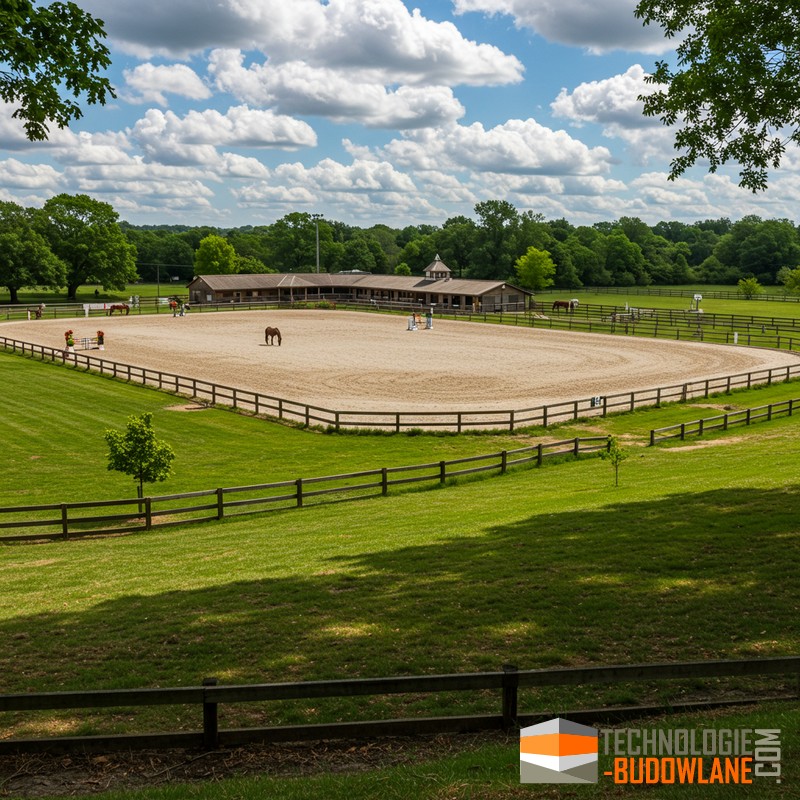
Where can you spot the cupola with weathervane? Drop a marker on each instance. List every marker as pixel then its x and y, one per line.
pixel 437 270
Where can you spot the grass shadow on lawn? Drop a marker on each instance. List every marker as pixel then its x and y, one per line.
pixel 692 576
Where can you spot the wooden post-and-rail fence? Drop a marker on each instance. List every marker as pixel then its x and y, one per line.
pixel 210 696
pixel 721 422
pixel 309 415
pixel 93 518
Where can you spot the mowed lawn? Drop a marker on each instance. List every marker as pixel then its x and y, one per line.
pixel 695 555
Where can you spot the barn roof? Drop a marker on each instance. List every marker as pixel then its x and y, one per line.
pixel 402 283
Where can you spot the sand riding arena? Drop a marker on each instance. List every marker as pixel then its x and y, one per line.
pixel 372 362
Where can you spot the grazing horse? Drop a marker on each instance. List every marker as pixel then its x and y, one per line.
pixel 119 307
pixel 270 334
pixel 567 305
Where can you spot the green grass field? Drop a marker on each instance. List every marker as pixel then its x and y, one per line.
pixel 788 307
pixel 695 555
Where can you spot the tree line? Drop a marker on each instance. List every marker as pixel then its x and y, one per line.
pixel 74 239
pixel 626 252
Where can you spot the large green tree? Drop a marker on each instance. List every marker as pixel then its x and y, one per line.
pixel 25 257
pixel 215 256
pixel 625 261
pixel 455 243
pixel 535 270
pixel 293 243
pixel 496 240
pixel 735 90
pixel 49 57
pixel 85 234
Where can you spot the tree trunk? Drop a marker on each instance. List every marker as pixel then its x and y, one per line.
pixel 12 290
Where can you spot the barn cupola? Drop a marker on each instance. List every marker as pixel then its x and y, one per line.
pixel 437 270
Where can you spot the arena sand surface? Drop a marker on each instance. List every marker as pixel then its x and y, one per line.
pixel 371 362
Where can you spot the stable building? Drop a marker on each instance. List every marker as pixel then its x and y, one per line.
pixel 436 287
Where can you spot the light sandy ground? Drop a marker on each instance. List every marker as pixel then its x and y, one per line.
pixel 360 362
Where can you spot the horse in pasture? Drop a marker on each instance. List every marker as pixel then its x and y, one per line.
pixel 270 334
pixel 567 305
pixel 121 307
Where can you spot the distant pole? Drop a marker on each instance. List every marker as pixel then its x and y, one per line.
pixel 316 225
pixel 158 283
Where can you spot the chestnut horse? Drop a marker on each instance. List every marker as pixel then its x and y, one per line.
pixel 121 307
pixel 567 305
pixel 270 334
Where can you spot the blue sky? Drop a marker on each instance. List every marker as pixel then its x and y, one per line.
pixel 237 112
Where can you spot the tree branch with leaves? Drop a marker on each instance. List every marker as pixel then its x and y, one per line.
pixel 48 56
pixel 736 88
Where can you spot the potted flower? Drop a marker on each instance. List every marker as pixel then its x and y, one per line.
pixel 69 339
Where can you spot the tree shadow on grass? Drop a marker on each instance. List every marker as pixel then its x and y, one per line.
pixel 693 576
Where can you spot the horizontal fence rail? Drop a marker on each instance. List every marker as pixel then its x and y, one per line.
pixel 651 322
pixel 507 682
pixel 76 520
pixel 721 422
pixel 292 411
pixel 714 294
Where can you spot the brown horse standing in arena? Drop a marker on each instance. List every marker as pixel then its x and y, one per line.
pixel 270 334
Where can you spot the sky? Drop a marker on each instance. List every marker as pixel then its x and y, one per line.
pixel 238 112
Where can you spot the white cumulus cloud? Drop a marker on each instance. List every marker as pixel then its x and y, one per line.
pixel 599 27
pixel 148 83
pixel 515 147
pixel 194 138
pixel 297 88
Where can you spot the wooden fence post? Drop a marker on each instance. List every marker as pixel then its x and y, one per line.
pixel 148 513
pixel 220 504
pixel 210 719
pixel 442 471
pixel 64 522
pixel 503 462
pixel 510 696
pixel 652 438
pixel 299 484
pixel 384 480
pixel 539 455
